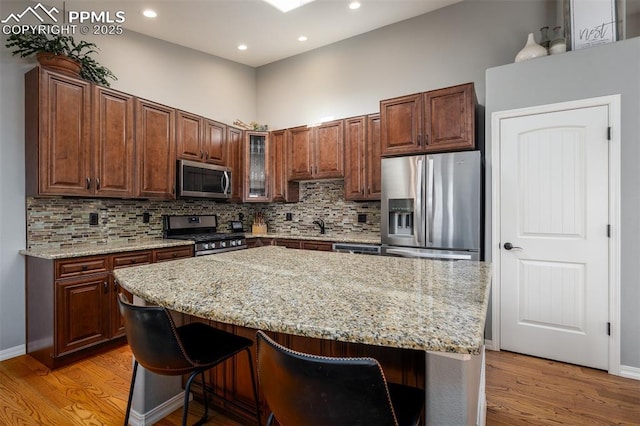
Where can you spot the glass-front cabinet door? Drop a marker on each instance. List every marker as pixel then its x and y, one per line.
pixel 256 187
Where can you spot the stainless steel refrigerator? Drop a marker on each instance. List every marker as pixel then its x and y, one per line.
pixel 431 206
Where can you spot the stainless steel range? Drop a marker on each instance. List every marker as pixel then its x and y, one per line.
pixel 203 230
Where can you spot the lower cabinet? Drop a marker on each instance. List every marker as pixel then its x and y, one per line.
pixel 72 310
pixel 291 243
pixel 232 379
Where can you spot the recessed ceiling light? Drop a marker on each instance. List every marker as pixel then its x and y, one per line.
pixel 242 47
pixel 150 13
pixel 354 5
pixel 302 38
pixel 286 5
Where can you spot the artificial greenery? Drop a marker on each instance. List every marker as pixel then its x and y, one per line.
pixel 28 43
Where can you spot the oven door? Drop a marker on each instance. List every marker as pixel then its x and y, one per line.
pixel 203 180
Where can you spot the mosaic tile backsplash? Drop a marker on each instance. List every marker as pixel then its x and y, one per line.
pixel 63 222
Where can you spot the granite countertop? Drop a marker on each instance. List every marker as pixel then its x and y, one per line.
pixel 388 301
pixel 80 250
pixel 339 238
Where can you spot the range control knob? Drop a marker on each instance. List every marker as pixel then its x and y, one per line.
pixel 223 244
pixel 233 243
pixel 205 246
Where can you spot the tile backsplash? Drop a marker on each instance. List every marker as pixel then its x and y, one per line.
pixel 61 222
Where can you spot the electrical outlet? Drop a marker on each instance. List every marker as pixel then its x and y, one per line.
pixel 93 218
pixel 362 218
pixel 146 216
pixel 288 216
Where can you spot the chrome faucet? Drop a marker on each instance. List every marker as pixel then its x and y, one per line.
pixel 320 224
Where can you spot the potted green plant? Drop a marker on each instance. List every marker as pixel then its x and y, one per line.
pixel 61 52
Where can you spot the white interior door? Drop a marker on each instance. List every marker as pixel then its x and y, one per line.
pixel 554 204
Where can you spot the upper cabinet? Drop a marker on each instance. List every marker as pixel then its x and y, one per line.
pixel 257 167
pixel 283 190
pixel 68 155
pixel 316 152
pixel 155 139
pixel 436 121
pixel 200 139
pixel 235 143
pixel 113 143
pixel 362 158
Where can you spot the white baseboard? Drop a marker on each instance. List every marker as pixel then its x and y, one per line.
pixel 490 345
pixel 157 413
pixel 630 372
pixel 13 352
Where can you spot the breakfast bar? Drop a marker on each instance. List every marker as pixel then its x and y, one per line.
pixel 435 307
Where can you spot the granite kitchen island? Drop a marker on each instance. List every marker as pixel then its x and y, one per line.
pixel 433 307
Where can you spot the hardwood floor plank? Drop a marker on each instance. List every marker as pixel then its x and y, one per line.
pixel 521 390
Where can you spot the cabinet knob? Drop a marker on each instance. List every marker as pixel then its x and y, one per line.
pixel 85 267
pixel 88 183
pixel 97 183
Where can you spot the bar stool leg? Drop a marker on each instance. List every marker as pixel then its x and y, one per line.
pixel 254 387
pixel 133 381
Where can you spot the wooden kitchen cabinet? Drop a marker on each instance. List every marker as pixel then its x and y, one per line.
pixel 283 190
pixel 72 309
pixel 172 253
pixel 440 120
pixel 57 134
pixel 235 157
pixel 449 118
pixel 317 245
pixel 362 180
pixel 79 137
pixel 316 152
pixel 200 139
pixel 401 125
pixel 113 144
pixel 257 167
pixel 82 315
pixel 189 136
pixel 155 139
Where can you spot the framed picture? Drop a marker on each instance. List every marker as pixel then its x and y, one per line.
pixel 591 23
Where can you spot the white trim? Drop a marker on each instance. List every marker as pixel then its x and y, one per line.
pixel 157 413
pixel 13 352
pixel 491 345
pixel 630 372
pixel 613 104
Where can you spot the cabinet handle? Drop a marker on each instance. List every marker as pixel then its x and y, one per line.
pixel 419 139
pixel 88 183
pixel 173 189
pixel 201 154
pixel 106 287
pixel 85 267
pixel 175 255
pixel 206 155
pixel 426 139
pixel 97 183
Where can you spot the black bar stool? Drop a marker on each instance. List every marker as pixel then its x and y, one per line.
pixel 162 348
pixel 310 390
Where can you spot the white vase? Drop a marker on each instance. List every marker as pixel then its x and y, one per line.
pixel 531 50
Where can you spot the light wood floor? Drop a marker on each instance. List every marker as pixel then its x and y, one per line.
pixel 520 391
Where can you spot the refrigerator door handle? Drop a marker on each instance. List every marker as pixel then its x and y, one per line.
pixel 430 200
pixel 419 207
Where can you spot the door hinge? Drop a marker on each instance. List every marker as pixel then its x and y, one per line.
pixel 608 329
pixel 609 133
pixel 608 231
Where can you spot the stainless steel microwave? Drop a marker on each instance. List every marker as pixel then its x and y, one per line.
pixel 203 180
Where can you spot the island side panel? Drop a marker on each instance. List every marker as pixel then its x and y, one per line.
pixel 455 389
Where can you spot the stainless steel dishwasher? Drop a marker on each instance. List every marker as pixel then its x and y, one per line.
pixel 373 249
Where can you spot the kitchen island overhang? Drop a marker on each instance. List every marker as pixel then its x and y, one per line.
pixel 434 306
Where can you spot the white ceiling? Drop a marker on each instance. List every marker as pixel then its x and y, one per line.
pixel 217 27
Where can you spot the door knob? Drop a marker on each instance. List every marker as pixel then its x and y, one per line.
pixel 509 246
